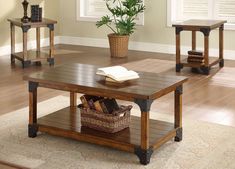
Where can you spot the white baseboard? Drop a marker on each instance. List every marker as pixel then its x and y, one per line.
pixel 103 43
pixel 6 50
pixel 139 46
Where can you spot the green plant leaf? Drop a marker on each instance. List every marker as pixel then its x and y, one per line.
pixel 104 20
pixel 123 15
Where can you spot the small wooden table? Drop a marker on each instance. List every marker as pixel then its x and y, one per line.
pixel 204 26
pixel 26 57
pixel 144 134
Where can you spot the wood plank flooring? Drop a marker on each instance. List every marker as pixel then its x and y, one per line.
pixel 13 90
pixel 199 91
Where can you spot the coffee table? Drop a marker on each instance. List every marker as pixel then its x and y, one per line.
pixel 144 134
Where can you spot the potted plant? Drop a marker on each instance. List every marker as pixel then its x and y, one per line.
pixel 121 23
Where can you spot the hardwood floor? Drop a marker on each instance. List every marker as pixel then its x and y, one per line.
pixel 14 92
pixel 209 99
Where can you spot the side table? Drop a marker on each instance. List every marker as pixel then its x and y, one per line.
pixel 204 26
pixel 26 57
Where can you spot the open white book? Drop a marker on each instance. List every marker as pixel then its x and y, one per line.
pixel 117 73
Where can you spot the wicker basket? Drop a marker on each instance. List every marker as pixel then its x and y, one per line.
pixel 118 45
pixel 110 123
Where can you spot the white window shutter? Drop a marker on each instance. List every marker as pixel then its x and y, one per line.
pixel 226 10
pixel 195 9
pixel 181 10
pixel 95 8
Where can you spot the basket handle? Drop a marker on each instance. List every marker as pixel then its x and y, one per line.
pixel 123 110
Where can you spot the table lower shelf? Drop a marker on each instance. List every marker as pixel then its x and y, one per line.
pixel 212 61
pixel 67 124
pixel 32 55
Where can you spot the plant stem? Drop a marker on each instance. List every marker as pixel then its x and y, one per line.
pixel 115 20
pixel 112 29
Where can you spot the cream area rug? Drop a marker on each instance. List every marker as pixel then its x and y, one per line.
pixel 205 146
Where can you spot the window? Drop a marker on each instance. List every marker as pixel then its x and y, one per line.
pixel 93 10
pixel 180 10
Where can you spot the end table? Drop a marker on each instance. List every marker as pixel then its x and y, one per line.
pixel 26 57
pixel 204 26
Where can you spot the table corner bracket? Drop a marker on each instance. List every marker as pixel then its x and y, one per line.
pixel 221 28
pixel 32 86
pixel 179 89
pixel 51 26
pixel 178 67
pixel 221 63
pixel 205 70
pixel 32 130
pixel 144 104
pixel 179 134
pixel 178 30
pixel 25 28
pixel 144 155
pixel 51 61
pixel 205 31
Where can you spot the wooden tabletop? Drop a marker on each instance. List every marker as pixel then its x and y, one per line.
pixel 18 22
pixel 82 78
pixel 200 23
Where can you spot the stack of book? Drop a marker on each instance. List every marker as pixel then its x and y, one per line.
pixel 36 13
pixel 195 56
pixel 117 74
pixel 100 104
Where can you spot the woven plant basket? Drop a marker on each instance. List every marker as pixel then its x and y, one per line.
pixel 118 45
pixel 110 123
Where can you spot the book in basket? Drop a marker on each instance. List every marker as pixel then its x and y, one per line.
pixel 110 123
pixel 117 73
